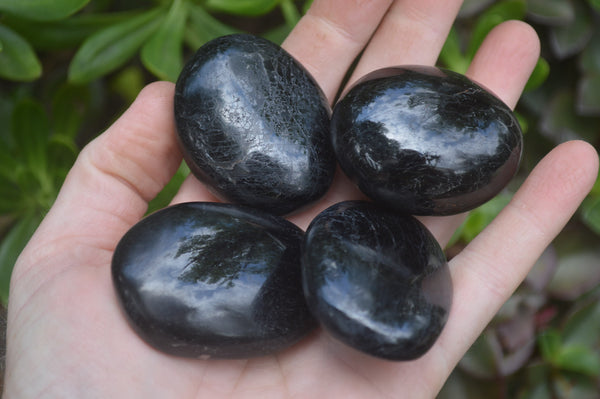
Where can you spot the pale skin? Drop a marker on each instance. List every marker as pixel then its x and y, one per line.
pixel 67 337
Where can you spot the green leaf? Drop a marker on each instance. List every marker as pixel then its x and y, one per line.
pixel 594 4
pixel 495 15
pixel 8 164
pixel 539 75
pixel 8 100
pixel 290 13
pixel 537 376
pixel 523 122
pixel 204 27
pixel 278 34
pixel 582 326
pixel 596 187
pixel 306 6
pixel 571 39
pixel 589 61
pixel 10 248
pixel 62 152
pixel 11 196
pixel 111 47
pixel 38 190
pixel 165 196
pixel 588 95
pixel 550 343
pixel 31 129
pixel 590 212
pixel 462 386
pixel 129 82
pixel 537 391
pixel 577 273
pixel 559 121
pixel 573 386
pixel 17 59
pixel 67 33
pixel 249 8
pixel 162 54
pixel 451 55
pixel 481 360
pixel 551 12
pixel 69 106
pixel 42 10
pixel 480 217
pixel 579 359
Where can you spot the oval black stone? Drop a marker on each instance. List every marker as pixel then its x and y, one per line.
pixel 254 125
pixel 376 280
pixel 213 280
pixel 425 141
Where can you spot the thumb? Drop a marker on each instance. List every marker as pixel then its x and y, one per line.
pixel 108 188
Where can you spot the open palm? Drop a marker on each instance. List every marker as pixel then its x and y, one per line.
pixel 67 336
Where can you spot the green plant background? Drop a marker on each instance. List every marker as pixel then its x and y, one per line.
pixel 69 68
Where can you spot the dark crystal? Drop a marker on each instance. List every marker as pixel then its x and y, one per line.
pixel 254 125
pixel 376 280
pixel 425 141
pixel 213 280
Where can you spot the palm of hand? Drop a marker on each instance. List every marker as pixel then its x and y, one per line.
pixel 67 336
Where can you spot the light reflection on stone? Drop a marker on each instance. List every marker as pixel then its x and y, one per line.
pixel 207 279
pixel 425 142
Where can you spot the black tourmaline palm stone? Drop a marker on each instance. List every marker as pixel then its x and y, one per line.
pixel 211 280
pixel 425 141
pixel 377 280
pixel 254 125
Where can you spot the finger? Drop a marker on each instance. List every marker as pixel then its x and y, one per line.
pixel 114 177
pixel 330 36
pixel 131 162
pixel 506 59
pixel 491 267
pixel 412 32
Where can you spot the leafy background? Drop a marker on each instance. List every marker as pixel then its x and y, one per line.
pixel 69 68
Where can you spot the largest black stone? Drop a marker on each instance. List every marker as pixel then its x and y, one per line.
pixel 213 280
pixel 254 125
pixel 424 140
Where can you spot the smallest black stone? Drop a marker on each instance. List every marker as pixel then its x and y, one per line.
pixel 376 280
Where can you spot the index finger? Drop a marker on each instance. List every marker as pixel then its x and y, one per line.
pixel 331 35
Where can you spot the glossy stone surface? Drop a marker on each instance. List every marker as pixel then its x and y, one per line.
pixel 213 280
pixel 254 125
pixel 376 280
pixel 425 141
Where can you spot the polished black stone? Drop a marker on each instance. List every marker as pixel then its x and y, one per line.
pixel 212 280
pixel 254 125
pixel 376 280
pixel 425 141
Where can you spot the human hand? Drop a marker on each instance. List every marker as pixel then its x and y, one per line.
pixel 67 336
